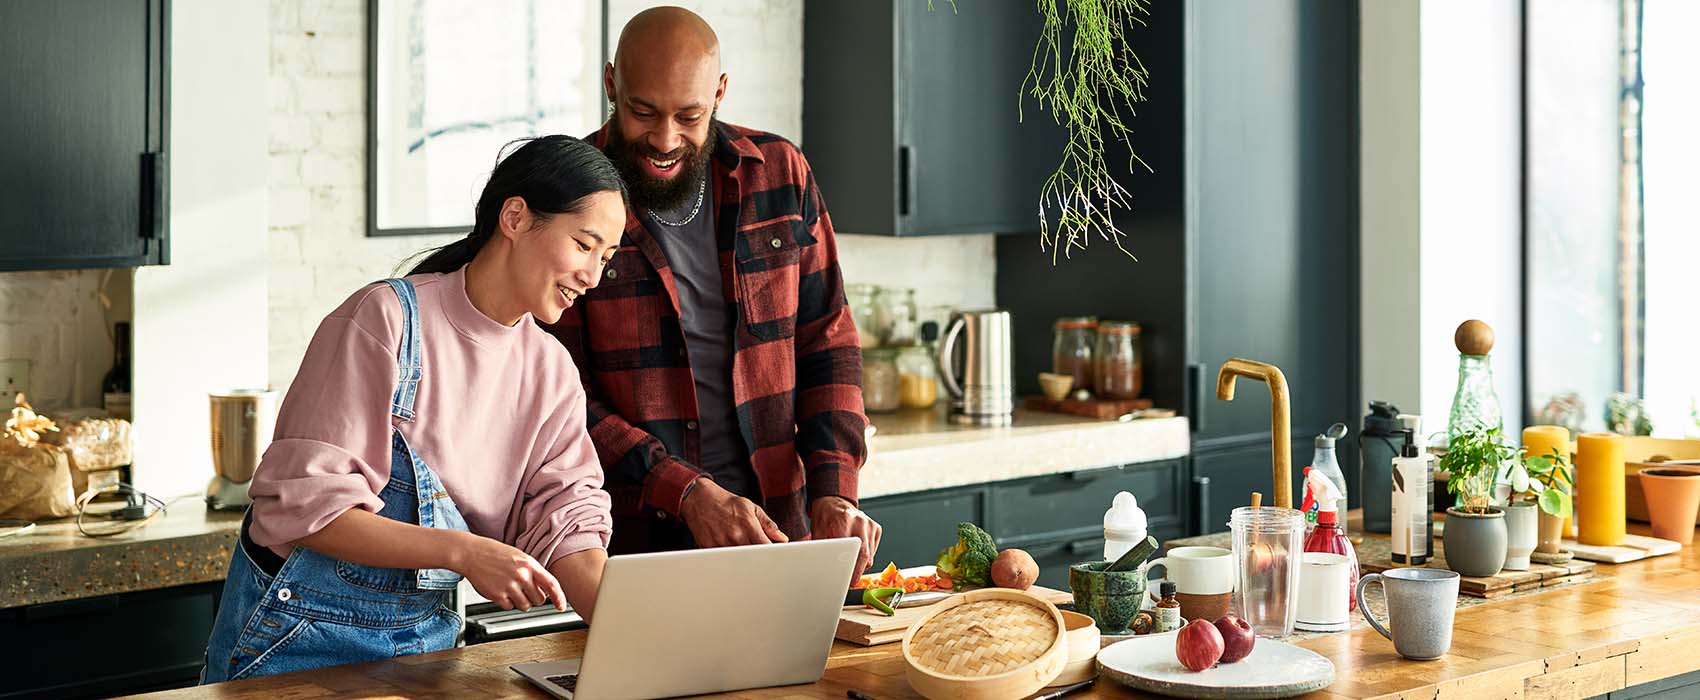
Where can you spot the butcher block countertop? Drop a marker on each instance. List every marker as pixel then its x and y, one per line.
pixel 1635 623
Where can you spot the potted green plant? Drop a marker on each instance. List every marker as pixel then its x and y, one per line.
pixel 1551 482
pixel 1536 490
pixel 1475 539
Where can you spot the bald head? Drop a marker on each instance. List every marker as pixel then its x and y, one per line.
pixel 670 34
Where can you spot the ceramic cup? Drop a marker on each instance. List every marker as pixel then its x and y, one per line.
pixel 1111 598
pixel 1324 592
pixel 1420 606
pixel 1198 570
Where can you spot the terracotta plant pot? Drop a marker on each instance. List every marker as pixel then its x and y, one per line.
pixel 1550 536
pixel 1673 496
pixel 1520 534
pixel 1475 542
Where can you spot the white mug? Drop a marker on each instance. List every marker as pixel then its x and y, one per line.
pixel 1198 570
pixel 1324 592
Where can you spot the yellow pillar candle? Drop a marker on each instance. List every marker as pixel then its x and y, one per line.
pixel 1542 440
pixel 1600 519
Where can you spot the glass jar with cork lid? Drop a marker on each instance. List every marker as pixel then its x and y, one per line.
pixel 1118 361
pixel 880 384
pixel 1072 349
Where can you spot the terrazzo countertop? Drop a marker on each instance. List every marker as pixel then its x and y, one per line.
pixel 54 562
pixel 910 451
pixel 922 450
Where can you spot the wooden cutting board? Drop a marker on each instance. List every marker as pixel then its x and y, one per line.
pixel 1375 555
pixel 1102 409
pixel 867 627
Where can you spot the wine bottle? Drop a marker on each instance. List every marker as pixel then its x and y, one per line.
pixel 115 387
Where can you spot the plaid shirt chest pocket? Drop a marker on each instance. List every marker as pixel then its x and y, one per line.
pixel 768 258
pixel 626 308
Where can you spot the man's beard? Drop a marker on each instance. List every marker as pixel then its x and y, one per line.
pixel 654 194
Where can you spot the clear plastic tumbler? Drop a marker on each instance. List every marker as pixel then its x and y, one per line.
pixel 1268 543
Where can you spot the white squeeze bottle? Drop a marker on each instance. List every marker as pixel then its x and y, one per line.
pixel 1124 526
pixel 1410 513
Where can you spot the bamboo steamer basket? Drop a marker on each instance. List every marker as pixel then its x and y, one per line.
pixel 988 644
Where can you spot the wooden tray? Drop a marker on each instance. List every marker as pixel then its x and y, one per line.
pixel 1375 556
pixel 867 627
pixel 1102 409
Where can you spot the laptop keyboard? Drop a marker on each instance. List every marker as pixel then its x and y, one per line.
pixel 565 680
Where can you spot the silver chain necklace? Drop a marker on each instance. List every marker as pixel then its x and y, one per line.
pixel 701 189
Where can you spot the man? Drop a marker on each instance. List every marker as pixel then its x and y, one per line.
pixel 721 363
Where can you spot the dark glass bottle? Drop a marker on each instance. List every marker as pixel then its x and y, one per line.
pixel 115 387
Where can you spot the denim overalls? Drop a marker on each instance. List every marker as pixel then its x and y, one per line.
pixel 318 611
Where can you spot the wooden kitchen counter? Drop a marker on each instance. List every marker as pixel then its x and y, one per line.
pixel 1639 622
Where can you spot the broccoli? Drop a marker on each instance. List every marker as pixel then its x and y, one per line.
pixel 969 561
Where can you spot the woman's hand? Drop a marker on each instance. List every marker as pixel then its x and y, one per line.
pixel 507 576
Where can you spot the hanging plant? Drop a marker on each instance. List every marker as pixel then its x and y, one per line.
pixel 1091 92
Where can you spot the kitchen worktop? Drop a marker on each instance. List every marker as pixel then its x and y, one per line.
pixel 922 450
pixel 1636 623
pixel 187 544
pixel 911 451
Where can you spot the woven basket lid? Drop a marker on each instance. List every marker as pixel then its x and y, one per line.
pixel 986 638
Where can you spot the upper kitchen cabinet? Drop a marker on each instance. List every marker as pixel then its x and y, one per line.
pixel 909 116
pixel 82 135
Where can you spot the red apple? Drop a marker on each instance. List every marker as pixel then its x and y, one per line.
pixel 1237 637
pixel 1198 645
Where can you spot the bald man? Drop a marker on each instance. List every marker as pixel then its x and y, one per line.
pixel 720 360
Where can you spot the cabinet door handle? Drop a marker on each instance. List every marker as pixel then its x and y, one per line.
pixel 1090 474
pixel 152 195
pixel 1195 395
pixel 1201 505
pixel 1079 547
pixel 908 190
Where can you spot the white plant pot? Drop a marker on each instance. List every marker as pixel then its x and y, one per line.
pixel 1521 534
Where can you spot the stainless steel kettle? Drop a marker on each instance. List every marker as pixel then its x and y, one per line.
pixel 982 384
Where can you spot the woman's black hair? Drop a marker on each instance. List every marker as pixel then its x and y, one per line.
pixel 553 174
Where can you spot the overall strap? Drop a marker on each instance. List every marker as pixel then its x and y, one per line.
pixel 409 359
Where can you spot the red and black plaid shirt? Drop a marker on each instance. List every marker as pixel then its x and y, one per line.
pixel 796 367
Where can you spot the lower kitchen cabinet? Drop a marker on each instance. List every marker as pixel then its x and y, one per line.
pixel 109 645
pixel 1058 518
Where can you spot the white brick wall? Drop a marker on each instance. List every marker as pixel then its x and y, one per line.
pixel 320 252
pixel 55 321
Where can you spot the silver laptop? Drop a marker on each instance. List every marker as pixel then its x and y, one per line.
pixel 707 621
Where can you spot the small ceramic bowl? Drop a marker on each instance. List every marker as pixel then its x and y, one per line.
pixel 1110 598
pixel 1055 386
pixel 1084 641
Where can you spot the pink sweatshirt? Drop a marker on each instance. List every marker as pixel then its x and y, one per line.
pixel 500 418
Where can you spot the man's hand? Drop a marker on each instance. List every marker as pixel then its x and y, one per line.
pixel 831 516
pixel 720 518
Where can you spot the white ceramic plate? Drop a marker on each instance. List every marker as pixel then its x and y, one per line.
pixel 1273 670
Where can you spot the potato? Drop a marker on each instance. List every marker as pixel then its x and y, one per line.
pixel 1014 569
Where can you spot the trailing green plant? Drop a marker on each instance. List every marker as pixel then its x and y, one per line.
pixel 1091 92
pixel 1472 461
pixel 1540 479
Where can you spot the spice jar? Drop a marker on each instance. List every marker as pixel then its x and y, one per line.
pixel 879 380
pixel 860 297
pixel 917 382
pixel 1071 350
pixel 1119 362
pixel 894 312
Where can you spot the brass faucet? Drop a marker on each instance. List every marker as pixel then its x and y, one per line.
pixel 1280 420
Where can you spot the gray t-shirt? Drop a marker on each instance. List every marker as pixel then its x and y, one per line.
pixel 693 251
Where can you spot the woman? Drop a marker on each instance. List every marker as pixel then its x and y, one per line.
pixel 434 432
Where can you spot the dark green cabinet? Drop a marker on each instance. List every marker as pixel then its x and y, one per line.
pixel 109 645
pixel 1246 234
pixel 82 134
pixel 910 118
pixel 1058 518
